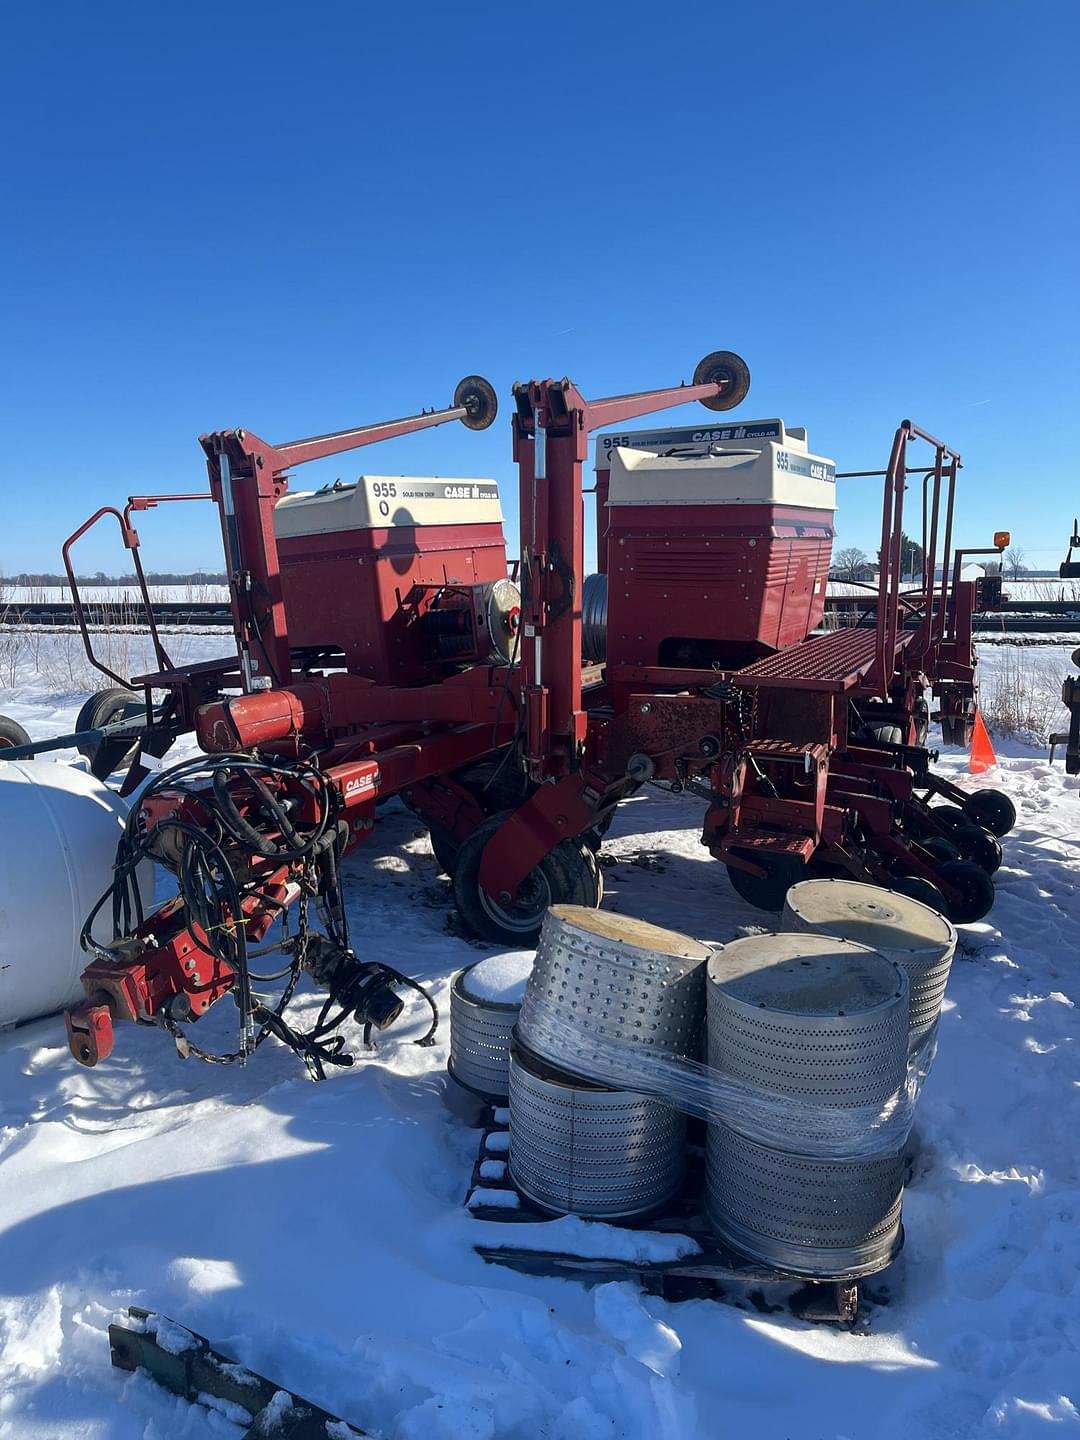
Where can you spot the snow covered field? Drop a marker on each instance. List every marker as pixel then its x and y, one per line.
pixel 195 592
pixel 317 1231
pixel 1045 588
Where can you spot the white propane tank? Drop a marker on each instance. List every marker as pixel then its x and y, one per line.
pixel 60 828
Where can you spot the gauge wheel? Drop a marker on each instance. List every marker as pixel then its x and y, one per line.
pixel 12 734
pixel 950 818
pixel 916 888
pixel 975 891
pixel 940 848
pixel 568 875
pixel 444 847
pixel 992 810
pixel 108 756
pixel 768 891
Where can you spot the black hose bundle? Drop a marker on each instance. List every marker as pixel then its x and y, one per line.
pixel 213 894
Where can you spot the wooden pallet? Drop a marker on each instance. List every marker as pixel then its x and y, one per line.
pixel 714 1271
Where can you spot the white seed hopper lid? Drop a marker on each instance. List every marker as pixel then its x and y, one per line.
pixel 499 979
pixel 628 933
pixel 882 919
pixel 798 974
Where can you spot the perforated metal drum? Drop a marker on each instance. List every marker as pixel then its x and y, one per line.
pixel 805 1215
pixel 599 973
pixel 821 1021
pixel 917 938
pixel 580 1149
pixel 484 1002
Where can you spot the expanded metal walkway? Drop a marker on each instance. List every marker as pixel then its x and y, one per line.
pixel 834 662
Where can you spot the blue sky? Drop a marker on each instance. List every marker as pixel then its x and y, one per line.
pixel 298 218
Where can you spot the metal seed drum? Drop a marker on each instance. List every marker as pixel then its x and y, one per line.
pixel 484 1004
pixel 801 1214
pixel 582 1149
pixel 917 938
pixel 815 1020
pixel 610 976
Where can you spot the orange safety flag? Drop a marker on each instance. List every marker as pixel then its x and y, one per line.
pixel 982 752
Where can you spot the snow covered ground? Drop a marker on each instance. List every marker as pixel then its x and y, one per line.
pixel 1045 588
pixel 197 591
pixel 317 1231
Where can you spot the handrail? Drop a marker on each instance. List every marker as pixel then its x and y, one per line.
pixel 931 632
pixel 130 537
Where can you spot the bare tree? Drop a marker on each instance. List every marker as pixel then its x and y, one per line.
pixel 1014 562
pixel 850 564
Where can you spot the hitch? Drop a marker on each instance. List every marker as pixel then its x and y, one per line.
pixel 90 1032
pixel 186 1363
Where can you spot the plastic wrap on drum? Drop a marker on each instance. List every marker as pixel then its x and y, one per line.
pixel 590 1019
pixel 822 1021
pixel 614 978
pixel 816 1019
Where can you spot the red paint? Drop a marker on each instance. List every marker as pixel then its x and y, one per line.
pixel 364 591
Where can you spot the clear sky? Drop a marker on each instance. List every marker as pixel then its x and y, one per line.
pixel 302 217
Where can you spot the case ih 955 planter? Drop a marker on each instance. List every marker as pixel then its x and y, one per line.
pixel 383 648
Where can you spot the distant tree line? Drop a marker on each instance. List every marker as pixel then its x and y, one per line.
pixel 153 577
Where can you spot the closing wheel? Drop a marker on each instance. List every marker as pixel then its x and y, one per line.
pixel 12 734
pixel 768 891
pixel 978 845
pixel 479 399
pixel 916 888
pixel 975 891
pixel 724 367
pixel 568 875
pixel 950 818
pixel 940 848
pixel 992 810
pixel 107 756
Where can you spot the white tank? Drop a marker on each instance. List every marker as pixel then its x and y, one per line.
pixel 59 829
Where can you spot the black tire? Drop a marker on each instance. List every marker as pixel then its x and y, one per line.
pixel 444 847
pixel 497 786
pixel 107 756
pixel 949 819
pixel 921 716
pixel 12 734
pixel 884 734
pixel 976 891
pixel 916 888
pixel 568 875
pixel 768 891
pixel 992 810
pixel 496 783
pixel 980 846
pixel 941 848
